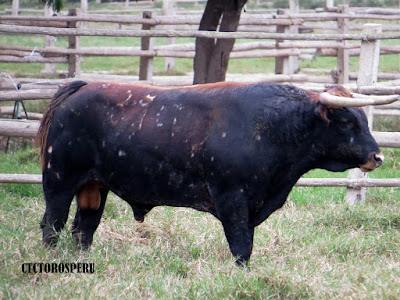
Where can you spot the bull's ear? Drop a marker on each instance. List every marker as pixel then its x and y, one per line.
pixel 322 112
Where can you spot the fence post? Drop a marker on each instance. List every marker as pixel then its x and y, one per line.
pixel 49 68
pixel 330 3
pixel 85 6
pixel 74 61
pixel 367 76
pixel 294 6
pixel 281 63
pixel 343 54
pixel 15 8
pixel 146 63
pixel 169 10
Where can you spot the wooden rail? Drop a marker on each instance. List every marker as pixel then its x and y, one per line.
pixel 29 128
pixel 302 182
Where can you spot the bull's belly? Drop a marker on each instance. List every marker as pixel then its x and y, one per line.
pixel 172 188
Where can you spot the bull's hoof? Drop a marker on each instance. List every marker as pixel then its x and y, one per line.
pixel 140 218
pixel 242 262
pixel 83 241
pixel 47 243
pixel 49 238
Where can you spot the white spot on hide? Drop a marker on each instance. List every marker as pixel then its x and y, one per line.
pixel 121 153
pixel 223 135
pixel 151 98
pixel 50 149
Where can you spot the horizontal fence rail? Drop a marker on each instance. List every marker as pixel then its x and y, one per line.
pixel 302 182
pixel 29 128
pixel 192 34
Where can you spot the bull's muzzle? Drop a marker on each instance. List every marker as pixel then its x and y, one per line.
pixel 375 161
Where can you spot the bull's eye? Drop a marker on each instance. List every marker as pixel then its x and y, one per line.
pixel 346 123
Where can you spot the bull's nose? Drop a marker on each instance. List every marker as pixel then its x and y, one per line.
pixel 379 159
pixel 375 161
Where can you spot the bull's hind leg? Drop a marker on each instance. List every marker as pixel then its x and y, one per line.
pixel 58 201
pixel 91 200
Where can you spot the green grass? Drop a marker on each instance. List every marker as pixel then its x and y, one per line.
pixel 315 247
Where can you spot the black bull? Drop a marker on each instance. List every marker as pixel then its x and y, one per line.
pixel 233 150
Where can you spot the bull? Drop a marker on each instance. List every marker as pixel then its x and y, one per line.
pixel 231 149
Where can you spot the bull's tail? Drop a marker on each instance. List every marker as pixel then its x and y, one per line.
pixel 62 94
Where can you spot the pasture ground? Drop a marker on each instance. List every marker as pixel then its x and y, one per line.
pixel 315 247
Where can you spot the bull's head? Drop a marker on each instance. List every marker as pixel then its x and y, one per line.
pixel 348 142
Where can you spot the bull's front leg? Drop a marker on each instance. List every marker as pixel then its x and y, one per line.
pixel 233 213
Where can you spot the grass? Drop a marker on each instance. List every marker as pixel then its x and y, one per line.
pixel 314 247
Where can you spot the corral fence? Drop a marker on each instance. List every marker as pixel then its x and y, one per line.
pixel 286 43
pixel 276 28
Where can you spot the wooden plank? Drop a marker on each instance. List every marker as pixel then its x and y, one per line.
pixel 345 182
pixel 387 112
pixel 258 20
pixel 387 139
pixel 302 182
pixel 19 128
pixel 8 110
pixel 32 59
pixel 26 95
pixel 205 34
pixel 21 178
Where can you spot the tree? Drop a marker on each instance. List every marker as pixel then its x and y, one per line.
pixel 212 55
pixel 56 5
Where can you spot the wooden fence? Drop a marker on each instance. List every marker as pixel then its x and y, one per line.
pixel 306 45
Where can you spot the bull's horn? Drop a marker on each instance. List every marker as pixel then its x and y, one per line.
pixel 358 100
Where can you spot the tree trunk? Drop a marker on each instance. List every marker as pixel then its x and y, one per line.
pixel 212 56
